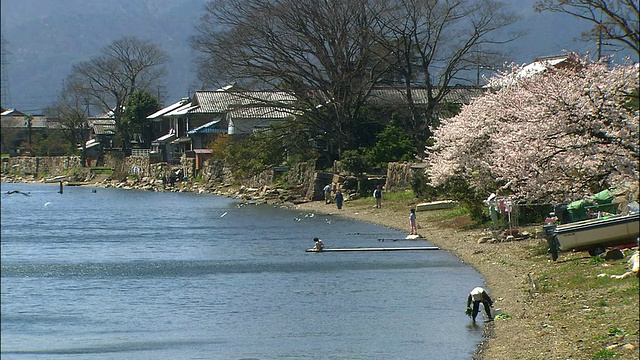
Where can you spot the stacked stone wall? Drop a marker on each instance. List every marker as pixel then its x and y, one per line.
pixel 398 176
pixel 302 178
pixel 40 165
pixel 214 171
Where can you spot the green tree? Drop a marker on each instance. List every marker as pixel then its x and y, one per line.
pixel 53 144
pixel 393 144
pixel 357 161
pixel 134 119
pixel 220 146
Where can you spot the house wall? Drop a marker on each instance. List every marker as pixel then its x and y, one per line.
pixel 246 126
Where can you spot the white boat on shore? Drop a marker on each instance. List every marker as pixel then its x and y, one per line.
pixel 595 234
pixel 55 179
pixel 436 205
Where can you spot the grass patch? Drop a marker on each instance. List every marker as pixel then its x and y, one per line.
pixel 544 284
pixel 539 249
pixel 105 170
pixel 604 354
pixel 630 291
pixel 404 196
pixel 615 331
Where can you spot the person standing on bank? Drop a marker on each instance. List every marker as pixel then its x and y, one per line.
pixel 412 223
pixel 327 194
pixel 377 194
pixel 339 199
pixel 479 295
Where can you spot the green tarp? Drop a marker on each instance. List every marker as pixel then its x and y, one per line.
pixel 601 201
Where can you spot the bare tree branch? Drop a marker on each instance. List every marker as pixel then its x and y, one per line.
pixel 320 51
pixel 616 20
pixel 124 66
pixel 436 41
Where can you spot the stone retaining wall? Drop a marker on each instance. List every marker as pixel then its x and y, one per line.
pixel 398 176
pixel 43 165
pixel 302 178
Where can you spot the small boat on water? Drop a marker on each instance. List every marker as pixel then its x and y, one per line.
pixel 593 234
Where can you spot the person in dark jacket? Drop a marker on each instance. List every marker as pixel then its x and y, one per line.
pixel 339 199
pixel 377 194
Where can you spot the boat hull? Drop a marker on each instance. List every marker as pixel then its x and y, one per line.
pixel 589 234
pixel 436 205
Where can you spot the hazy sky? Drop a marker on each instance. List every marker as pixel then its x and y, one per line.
pixel 47 37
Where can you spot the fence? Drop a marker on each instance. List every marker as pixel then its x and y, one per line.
pixel 140 152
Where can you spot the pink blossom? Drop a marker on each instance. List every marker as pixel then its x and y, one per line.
pixel 555 136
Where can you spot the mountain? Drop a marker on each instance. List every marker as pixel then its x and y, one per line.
pixel 45 38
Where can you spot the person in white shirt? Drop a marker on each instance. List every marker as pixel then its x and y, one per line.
pixel 479 295
pixel 319 245
pixel 327 194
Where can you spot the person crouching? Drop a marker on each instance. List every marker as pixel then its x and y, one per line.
pixel 479 295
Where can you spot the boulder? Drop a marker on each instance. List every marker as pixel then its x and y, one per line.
pixel 614 254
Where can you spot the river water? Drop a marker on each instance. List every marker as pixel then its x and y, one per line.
pixel 122 274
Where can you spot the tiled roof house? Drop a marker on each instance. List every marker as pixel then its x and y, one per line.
pixel 18 128
pixel 190 124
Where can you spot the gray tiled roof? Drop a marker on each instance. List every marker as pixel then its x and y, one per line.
pixel 20 121
pixel 104 129
pixel 259 112
pixel 397 96
pixel 168 109
pixel 222 101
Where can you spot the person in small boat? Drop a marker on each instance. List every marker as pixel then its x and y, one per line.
pixel 319 244
pixel 479 295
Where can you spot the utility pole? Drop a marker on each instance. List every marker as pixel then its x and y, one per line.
pixel 5 98
pixel 29 118
pixel 600 37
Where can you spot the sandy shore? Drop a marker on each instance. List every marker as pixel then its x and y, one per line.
pixel 534 330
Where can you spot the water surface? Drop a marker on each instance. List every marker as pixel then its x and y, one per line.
pixel 143 275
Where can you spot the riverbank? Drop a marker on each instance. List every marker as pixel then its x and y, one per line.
pixel 554 310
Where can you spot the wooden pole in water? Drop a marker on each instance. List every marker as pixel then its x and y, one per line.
pixel 61 188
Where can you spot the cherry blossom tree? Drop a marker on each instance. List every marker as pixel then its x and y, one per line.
pixel 558 135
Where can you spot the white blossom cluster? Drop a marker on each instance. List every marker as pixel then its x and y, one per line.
pixel 555 136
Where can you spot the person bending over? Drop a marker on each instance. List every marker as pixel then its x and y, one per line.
pixel 479 295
